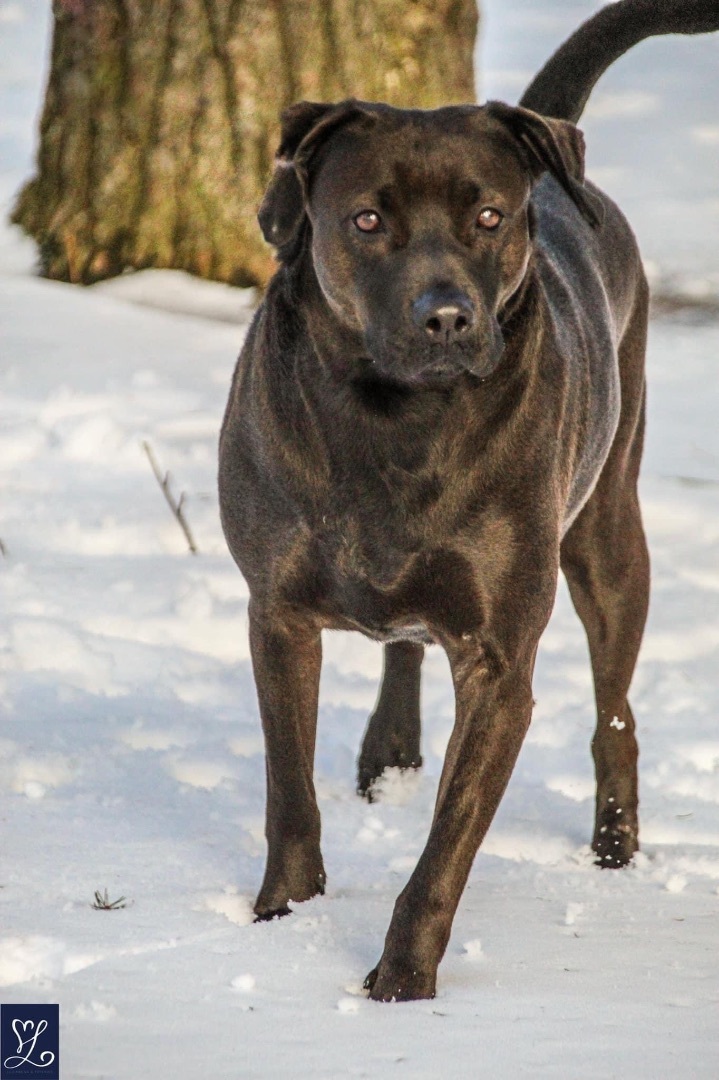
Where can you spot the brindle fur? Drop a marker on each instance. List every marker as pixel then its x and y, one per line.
pixel 424 486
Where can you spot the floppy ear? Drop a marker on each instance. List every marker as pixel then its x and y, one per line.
pixel 305 126
pixel 282 207
pixel 554 146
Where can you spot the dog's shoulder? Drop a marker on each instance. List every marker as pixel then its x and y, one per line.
pixel 601 266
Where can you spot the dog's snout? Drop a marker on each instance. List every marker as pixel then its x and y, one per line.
pixel 443 316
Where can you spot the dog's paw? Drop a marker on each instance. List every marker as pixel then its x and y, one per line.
pixel 366 780
pixel 267 916
pixel 299 879
pixel 266 911
pixel 400 982
pixel 615 845
pixel 369 775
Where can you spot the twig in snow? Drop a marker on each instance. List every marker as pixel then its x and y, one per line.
pixel 104 903
pixel 175 506
pixel 3 549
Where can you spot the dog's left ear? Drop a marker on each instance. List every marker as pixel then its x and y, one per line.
pixel 554 146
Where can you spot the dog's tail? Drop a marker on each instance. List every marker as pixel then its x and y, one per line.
pixel 562 87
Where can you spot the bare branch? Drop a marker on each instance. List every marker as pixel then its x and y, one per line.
pixel 175 505
pixel 104 903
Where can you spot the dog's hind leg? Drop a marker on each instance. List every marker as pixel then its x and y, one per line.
pixel 393 732
pixel 604 558
pixel 286 656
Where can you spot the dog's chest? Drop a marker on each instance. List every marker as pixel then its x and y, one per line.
pixel 388 584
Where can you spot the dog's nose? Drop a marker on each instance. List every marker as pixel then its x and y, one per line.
pixel 444 316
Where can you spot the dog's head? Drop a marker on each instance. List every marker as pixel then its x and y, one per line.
pixel 418 223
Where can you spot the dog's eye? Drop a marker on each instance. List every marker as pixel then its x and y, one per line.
pixel 489 218
pixel 368 221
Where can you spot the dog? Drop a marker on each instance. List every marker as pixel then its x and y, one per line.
pixel 440 402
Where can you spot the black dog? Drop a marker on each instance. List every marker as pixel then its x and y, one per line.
pixel 440 402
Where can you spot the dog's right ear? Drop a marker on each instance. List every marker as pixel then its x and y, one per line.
pixel 305 126
pixel 283 206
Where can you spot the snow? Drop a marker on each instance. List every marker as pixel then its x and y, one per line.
pixel 131 751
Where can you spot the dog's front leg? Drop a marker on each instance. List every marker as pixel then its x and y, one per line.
pixel 493 709
pixel 286 657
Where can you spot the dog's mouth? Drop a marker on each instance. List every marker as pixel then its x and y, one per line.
pixel 452 363
pixel 440 373
pixel 435 365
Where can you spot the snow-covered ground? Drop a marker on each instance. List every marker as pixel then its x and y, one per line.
pixel 131 756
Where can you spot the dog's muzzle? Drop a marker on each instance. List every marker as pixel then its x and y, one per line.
pixel 444 335
pixel 454 338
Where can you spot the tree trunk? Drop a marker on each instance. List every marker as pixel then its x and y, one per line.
pixel 161 118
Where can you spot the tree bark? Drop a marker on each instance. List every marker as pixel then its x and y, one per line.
pixel 161 118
